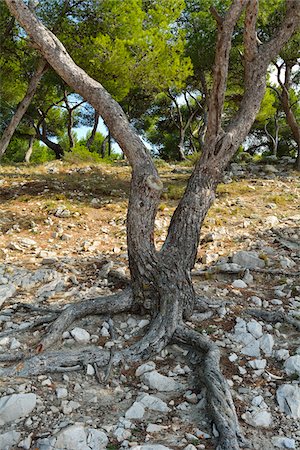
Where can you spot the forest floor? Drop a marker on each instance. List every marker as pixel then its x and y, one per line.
pixel 63 239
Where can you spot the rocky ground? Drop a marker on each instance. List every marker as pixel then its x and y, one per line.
pixel 63 239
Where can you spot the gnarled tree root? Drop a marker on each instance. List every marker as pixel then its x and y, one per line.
pixel 219 401
pixel 111 304
pixel 162 330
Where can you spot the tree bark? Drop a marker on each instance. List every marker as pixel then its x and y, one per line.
pixel 290 116
pixel 29 150
pixel 91 139
pixel 23 105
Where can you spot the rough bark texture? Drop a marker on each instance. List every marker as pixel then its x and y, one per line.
pixel 23 105
pixel 29 150
pixel 161 280
pixel 91 139
pixel 290 116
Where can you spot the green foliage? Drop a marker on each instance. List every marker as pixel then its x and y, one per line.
pixel 81 154
pixel 41 154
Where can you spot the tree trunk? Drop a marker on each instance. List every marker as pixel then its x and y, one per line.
pixel 29 150
pixel 181 154
pixel 103 146
pixel 23 106
pixel 58 150
pixel 290 116
pixel 91 139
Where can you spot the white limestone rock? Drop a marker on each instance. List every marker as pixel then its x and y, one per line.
pixel 159 382
pixel 288 398
pixel 283 442
pixel 14 406
pixel 258 364
pixel 9 440
pixel 6 292
pixel 248 260
pixel 258 418
pixel 154 403
pixel 61 392
pixel 255 328
pixel 80 335
pixel 150 447
pixel 266 343
pixel 239 284
pixel 147 367
pixel 292 365
pixel 76 437
pixel 136 411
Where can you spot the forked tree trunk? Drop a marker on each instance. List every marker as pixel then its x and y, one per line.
pixel 161 281
pixel 23 106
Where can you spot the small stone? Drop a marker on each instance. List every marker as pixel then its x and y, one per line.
pixel 288 398
pixel 9 440
pixel 96 439
pixel 239 284
pixel 258 364
pixel 255 328
pixel 147 367
pixel 80 335
pixel 258 418
pixel 136 411
pixel 153 428
pixel 248 260
pixel 266 343
pixel 154 403
pixel 160 382
pixel 283 442
pixel 90 370
pixel 61 392
pixel 6 292
pixel 292 365
pixel 281 354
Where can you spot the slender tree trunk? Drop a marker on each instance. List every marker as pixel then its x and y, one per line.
pixel 23 106
pixel 91 139
pixel 290 116
pixel 109 143
pixel 29 150
pixel 103 146
pixel 181 153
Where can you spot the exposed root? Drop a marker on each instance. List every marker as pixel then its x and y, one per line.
pixel 273 317
pixel 162 330
pixel 58 361
pixel 219 401
pixel 30 326
pixel 111 304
